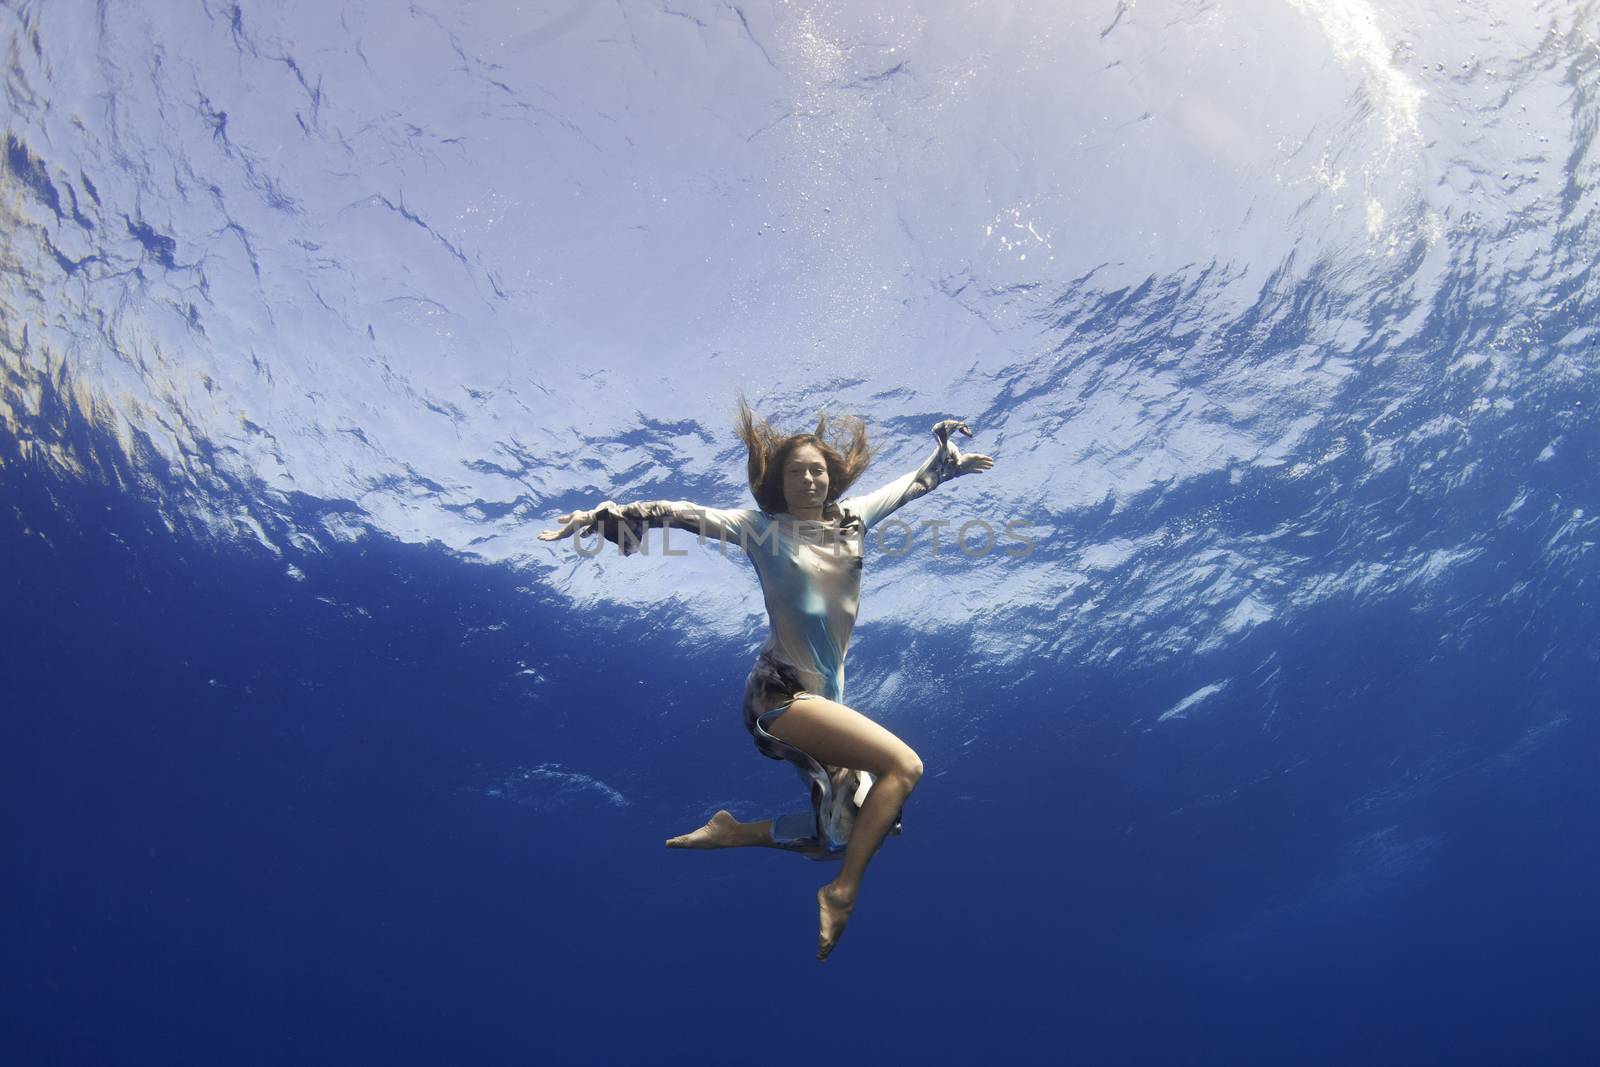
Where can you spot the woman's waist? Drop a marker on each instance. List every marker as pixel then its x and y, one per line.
pixel 813 674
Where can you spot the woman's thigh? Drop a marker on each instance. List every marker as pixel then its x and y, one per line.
pixel 839 736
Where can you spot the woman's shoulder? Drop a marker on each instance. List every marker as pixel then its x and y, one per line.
pixel 847 510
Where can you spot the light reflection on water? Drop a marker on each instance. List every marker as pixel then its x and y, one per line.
pixel 1244 288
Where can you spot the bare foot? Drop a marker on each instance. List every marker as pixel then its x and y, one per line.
pixel 723 831
pixel 833 905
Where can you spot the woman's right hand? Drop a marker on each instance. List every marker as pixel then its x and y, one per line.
pixel 574 522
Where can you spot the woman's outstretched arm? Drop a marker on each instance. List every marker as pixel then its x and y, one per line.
pixel 625 524
pixel 945 462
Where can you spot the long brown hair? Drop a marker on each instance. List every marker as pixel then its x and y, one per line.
pixel 847 454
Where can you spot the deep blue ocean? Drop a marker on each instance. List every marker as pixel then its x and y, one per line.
pixel 1278 318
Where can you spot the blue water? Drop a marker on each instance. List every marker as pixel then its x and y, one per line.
pixel 1276 317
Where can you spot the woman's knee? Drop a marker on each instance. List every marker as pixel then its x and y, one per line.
pixel 908 767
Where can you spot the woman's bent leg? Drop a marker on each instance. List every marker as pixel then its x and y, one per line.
pixel 839 736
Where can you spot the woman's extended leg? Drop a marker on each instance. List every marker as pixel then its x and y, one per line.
pixel 724 831
pixel 839 736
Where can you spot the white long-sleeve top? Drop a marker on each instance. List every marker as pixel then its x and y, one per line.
pixel 810 571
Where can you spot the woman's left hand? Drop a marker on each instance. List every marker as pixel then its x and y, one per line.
pixel 972 462
pixel 965 464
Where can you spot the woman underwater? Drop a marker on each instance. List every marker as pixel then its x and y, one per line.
pixel 805 540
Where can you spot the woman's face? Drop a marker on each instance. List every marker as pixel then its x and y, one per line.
pixel 805 479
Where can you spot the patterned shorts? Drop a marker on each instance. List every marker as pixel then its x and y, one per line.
pixel 837 793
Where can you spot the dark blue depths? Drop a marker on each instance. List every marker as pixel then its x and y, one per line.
pixel 244 823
